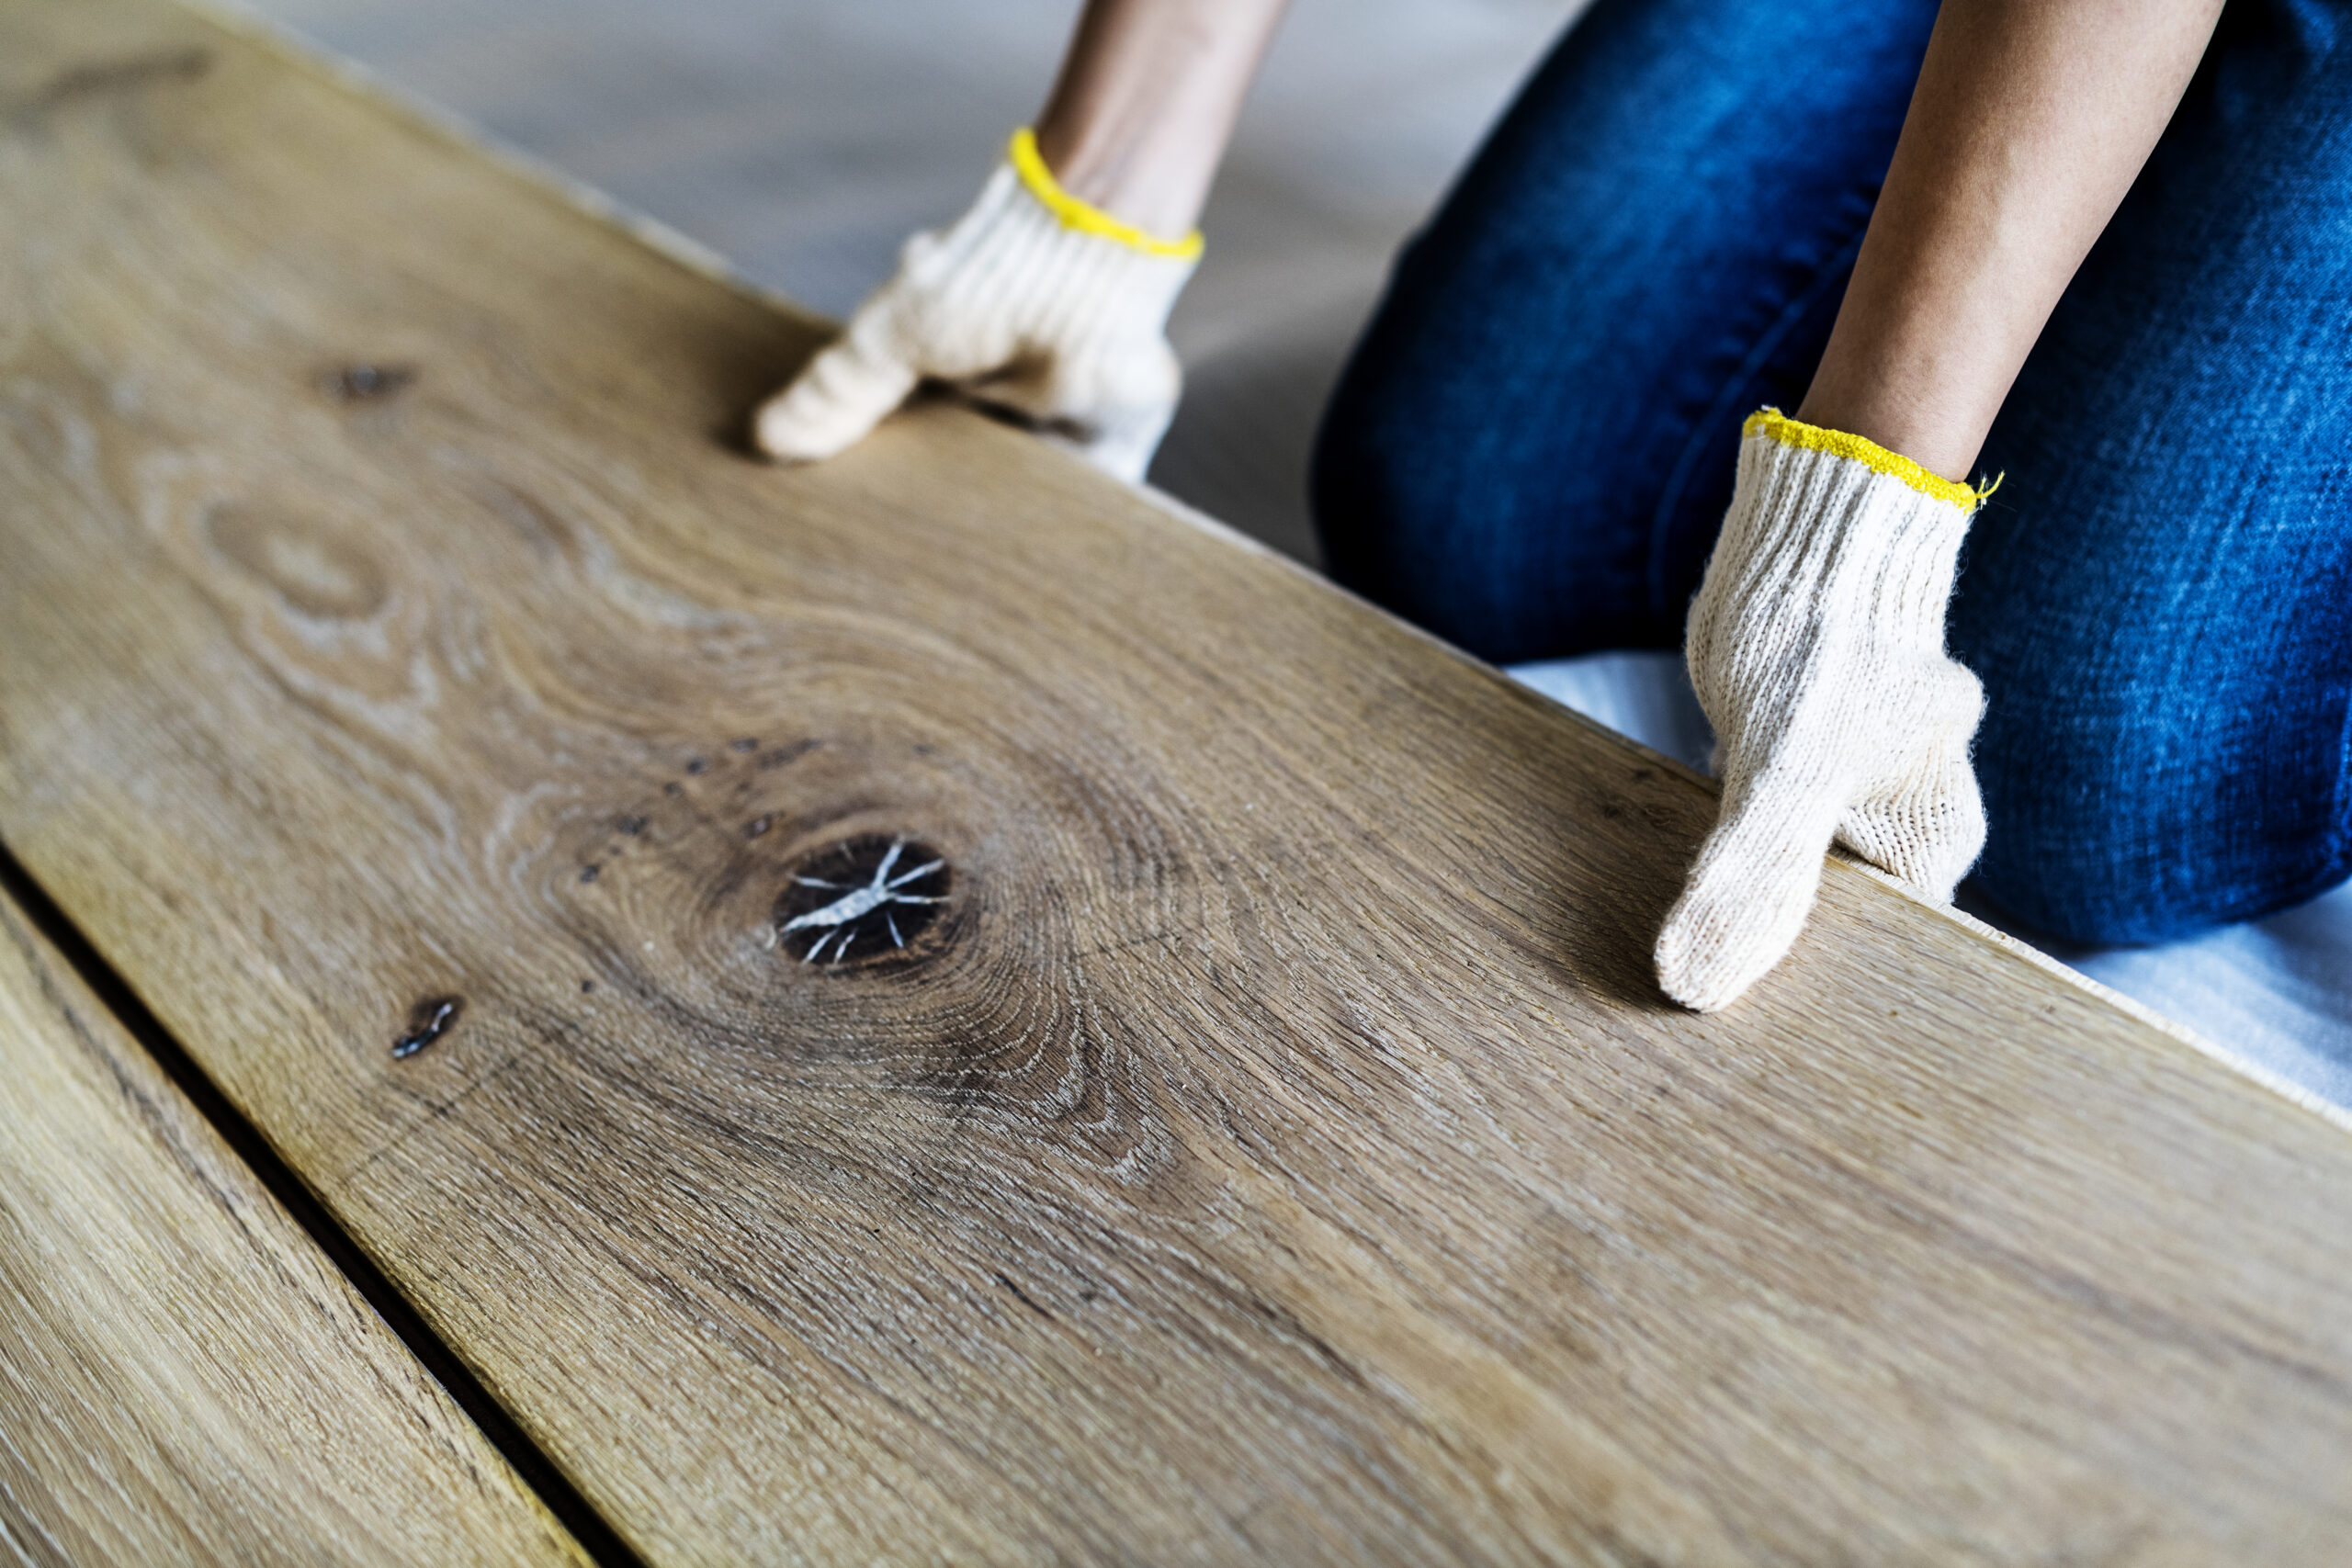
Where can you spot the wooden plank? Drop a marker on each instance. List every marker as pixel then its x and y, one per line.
pixel 184 1376
pixel 1272 1148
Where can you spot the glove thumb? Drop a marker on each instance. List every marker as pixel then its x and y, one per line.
pixel 844 393
pixel 1750 894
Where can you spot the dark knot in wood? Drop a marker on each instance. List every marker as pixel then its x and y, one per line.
pixel 365 383
pixel 863 898
pixel 427 1022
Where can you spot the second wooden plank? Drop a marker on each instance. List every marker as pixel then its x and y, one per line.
pixel 184 1376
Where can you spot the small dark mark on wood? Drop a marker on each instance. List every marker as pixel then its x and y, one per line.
pixel 427 1022
pixel 586 986
pixel 363 383
pixel 590 873
pixel 744 743
pixel 758 826
pixel 1127 944
pixel 923 749
pixel 697 764
pixel 980 403
pixel 1288 1322
pixel 672 787
pixel 782 754
pixel 632 826
pixel 121 75
pixel 1024 1297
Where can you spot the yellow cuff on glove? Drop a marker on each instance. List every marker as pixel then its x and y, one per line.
pixel 1084 216
pixel 1774 424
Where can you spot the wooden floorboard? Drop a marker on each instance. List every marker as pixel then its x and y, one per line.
pixel 1271 1146
pixel 184 1376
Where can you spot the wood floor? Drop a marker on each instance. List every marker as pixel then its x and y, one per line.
pixel 1247 1131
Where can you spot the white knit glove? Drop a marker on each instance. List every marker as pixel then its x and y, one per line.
pixel 1033 301
pixel 1816 644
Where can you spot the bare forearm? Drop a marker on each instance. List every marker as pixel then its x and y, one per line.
pixel 1146 99
pixel 2030 120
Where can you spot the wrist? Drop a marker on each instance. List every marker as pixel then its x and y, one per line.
pixel 1145 100
pixel 1772 425
pixel 1076 211
pixel 1908 399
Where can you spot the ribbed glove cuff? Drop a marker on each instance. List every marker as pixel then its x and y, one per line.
pixel 1827 534
pixel 1083 216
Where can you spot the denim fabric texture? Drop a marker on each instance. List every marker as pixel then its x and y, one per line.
pixel 1532 446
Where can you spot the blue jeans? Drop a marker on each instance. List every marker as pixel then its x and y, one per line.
pixel 1532 446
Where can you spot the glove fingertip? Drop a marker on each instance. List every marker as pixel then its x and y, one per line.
pixel 833 403
pixel 1703 961
pixel 1736 920
pixel 777 432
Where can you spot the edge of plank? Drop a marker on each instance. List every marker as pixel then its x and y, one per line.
pixel 2328 1111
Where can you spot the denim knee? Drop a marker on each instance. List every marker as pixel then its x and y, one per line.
pixel 1414 517
pixel 1382 496
pixel 2131 822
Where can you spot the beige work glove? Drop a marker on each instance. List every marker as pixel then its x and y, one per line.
pixel 1034 301
pixel 1816 644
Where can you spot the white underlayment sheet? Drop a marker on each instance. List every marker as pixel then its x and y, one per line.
pixel 803 139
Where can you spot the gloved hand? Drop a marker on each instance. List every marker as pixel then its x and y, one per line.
pixel 1816 644
pixel 1033 301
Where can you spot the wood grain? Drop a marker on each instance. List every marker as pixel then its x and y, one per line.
pixel 184 1376
pixel 1272 1149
